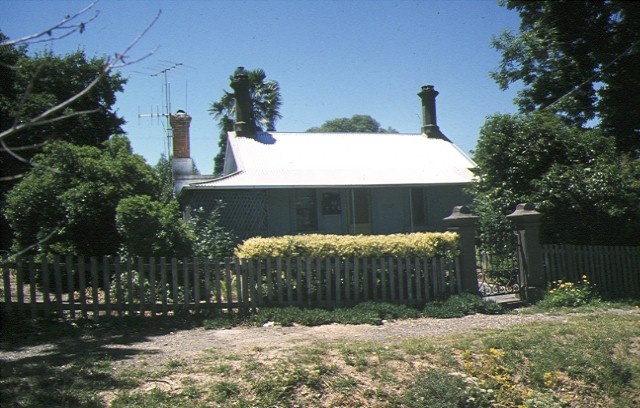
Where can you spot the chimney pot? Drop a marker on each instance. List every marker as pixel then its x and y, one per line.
pixel 429 122
pixel 245 122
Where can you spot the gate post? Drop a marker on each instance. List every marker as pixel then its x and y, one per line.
pixel 464 223
pixel 527 221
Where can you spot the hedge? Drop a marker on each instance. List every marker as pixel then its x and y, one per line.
pixel 422 244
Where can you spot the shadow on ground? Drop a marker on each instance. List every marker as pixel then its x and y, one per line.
pixel 47 363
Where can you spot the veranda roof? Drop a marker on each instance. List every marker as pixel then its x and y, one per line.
pixel 296 160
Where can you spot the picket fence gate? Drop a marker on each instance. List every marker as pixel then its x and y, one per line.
pixel 613 270
pixel 90 287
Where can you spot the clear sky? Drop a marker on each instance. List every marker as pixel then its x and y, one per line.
pixel 331 58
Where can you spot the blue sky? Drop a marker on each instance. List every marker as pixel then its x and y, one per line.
pixel 331 58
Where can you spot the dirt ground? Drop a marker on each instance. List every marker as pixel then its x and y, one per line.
pixel 156 350
pixel 276 340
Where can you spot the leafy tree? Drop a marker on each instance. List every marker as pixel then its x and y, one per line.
pixel 30 86
pixel 151 228
pixel 355 124
pixel 265 95
pixel 209 238
pixel 45 99
pixel 579 59
pixel 165 174
pixel 72 192
pixel 40 81
pixel 587 191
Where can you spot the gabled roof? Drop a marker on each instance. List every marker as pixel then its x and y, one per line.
pixel 280 160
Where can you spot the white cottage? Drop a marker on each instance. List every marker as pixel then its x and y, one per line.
pixel 277 183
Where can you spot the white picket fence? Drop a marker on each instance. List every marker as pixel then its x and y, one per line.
pixel 89 287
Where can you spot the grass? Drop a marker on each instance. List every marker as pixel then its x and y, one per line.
pixel 589 359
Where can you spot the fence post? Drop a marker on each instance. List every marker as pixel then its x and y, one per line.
pixel 527 222
pixel 464 223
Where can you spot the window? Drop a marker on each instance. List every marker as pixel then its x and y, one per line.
pixel 418 206
pixel 306 211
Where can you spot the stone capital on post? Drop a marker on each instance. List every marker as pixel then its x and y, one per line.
pixel 461 217
pixel 525 214
pixel 464 223
pixel 527 221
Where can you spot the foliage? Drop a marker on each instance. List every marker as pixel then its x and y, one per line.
pixel 150 228
pixel 588 193
pixel 75 190
pixel 30 85
pixel 577 59
pixel 265 95
pixel 43 80
pixel 153 228
pixel 354 124
pixel 461 305
pixel 208 238
pixel 321 246
pixel 165 174
pixel 569 294
pixel 374 313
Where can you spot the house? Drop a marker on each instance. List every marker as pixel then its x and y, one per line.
pixel 277 183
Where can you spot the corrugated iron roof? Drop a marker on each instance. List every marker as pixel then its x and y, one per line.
pixel 276 160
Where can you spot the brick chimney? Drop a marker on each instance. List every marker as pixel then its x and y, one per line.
pixel 245 122
pixel 181 162
pixel 429 123
pixel 180 124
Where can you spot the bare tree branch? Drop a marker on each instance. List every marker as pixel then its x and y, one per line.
pixel 30 247
pixel 70 29
pixel 16 156
pixel 110 63
pixel 28 147
pixel 14 177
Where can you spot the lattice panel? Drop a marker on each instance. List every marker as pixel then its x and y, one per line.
pixel 244 212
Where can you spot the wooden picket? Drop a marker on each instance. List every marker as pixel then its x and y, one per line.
pixel 615 271
pixel 89 287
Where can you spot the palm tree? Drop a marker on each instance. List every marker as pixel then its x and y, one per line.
pixel 265 95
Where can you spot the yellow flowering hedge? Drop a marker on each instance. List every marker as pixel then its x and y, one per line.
pixel 422 244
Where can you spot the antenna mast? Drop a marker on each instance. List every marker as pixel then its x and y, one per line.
pixel 166 108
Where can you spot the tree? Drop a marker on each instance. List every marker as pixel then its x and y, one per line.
pixel 73 192
pixel 355 124
pixel 587 191
pixel 579 59
pixel 152 228
pixel 265 95
pixel 30 101
pixel 165 174
pixel 149 227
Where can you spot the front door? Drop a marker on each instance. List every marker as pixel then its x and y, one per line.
pixel 360 211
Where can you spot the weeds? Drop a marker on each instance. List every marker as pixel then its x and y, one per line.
pixel 587 360
pixel 569 294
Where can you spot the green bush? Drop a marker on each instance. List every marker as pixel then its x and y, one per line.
pixel 322 246
pixel 569 294
pixel 461 305
pixel 363 313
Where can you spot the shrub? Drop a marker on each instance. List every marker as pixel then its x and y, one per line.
pixel 318 245
pixel 461 305
pixel 569 294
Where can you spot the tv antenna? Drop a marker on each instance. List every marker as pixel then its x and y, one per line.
pixel 166 107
